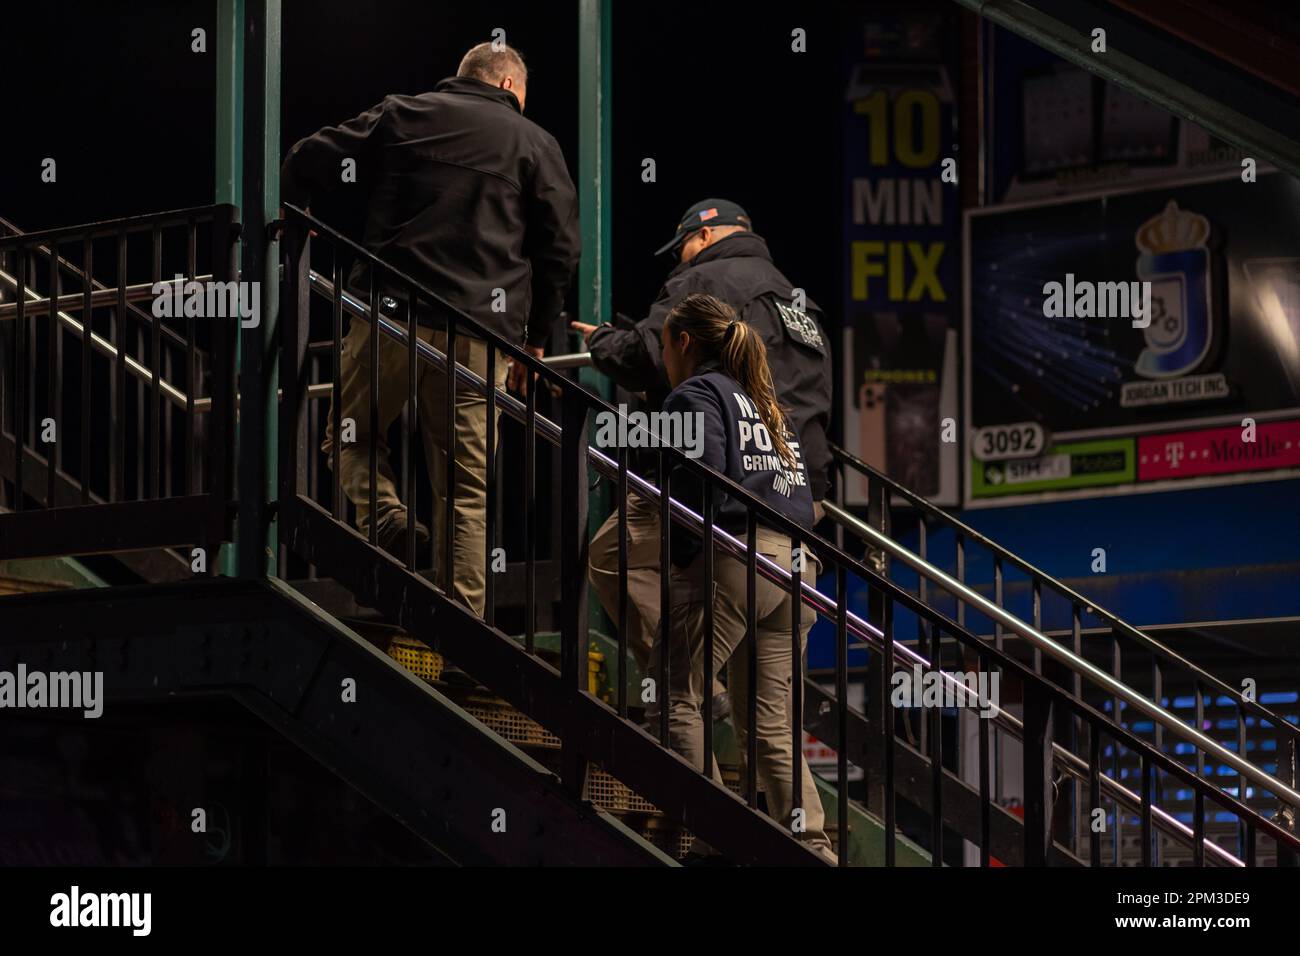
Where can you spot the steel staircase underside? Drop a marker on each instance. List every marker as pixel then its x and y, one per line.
pixel 400 743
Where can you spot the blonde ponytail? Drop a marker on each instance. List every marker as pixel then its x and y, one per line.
pixel 712 323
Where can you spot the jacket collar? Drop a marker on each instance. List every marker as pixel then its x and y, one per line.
pixel 469 86
pixel 713 364
pixel 738 245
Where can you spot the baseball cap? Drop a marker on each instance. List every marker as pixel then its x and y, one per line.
pixel 710 212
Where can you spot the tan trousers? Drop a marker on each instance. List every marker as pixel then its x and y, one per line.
pixel 642 574
pixel 470 505
pixel 772 644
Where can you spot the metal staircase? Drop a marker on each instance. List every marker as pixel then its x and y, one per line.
pixel 164 480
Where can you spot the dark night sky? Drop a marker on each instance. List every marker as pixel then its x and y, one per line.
pixel 111 90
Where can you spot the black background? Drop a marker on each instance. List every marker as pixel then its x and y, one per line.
pixel 711 90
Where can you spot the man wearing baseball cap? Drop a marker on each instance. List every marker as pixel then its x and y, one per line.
pixel 718 253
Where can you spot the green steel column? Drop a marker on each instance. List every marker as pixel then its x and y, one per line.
pixel 594 161
pixel 257 126
pixel 230 99
pixel 230 140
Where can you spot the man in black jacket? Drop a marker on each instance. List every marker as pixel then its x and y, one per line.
pixel 720 255
pixel 474 201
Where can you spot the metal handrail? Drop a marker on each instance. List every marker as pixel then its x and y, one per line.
pixel 810 595
pixel 1149 643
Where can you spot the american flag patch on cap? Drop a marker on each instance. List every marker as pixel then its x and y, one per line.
pixel 708 213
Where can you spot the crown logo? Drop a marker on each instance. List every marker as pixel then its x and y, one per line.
pixel 1173 229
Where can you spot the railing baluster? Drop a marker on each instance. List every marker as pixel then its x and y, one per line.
pixel 155 403
pixel 751 639
pixel 922 530
pixel 295 321
pixel 961 575
pixel 1157 690
pixel 572 572
pixel 1117 667
pixel 411 426
pixel 886 683
pixel 1198 829
pixel 997 599
pixel 1094 792
pixel 1242 787
pixel 796 682
pixel 710 668
pixel 842 716
pixel 490 483
pixel 1038 622
pixel 54 384
pixel 934 717
pixel 530 520
pixel 665 596
pixel 986 796
pixel 1146 767
pixel 121 325
pixel 449 439
pixel 191 367
pixel 87 328
pixel 622 585
pixel 1078 727
pixel 337 507
pixel 20 376
pixel 1039 706
pixel 373 392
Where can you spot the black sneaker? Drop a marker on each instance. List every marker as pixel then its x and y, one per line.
pixel 392 538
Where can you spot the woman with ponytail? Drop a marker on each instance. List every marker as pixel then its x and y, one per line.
pixel 717 367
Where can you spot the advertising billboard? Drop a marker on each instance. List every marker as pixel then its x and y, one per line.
pixel 1134 340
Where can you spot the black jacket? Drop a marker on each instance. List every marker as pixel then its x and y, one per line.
pixel 465 196
pixel 739 271
pixel 732 440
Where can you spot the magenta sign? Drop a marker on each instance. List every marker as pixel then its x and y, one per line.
pixel 1215 451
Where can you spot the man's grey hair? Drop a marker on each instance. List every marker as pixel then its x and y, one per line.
pixel 492 66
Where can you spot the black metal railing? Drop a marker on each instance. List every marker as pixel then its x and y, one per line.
pixel 1169 672
pixel 316 533
pixel 142 456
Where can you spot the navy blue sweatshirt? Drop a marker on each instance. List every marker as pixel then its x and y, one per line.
pixel 732 439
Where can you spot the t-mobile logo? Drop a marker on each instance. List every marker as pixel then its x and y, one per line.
pixel 1174 453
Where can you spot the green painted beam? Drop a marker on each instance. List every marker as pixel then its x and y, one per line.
pixel 595 85
pixel 230 145
pixel 230 100
pixel 256 543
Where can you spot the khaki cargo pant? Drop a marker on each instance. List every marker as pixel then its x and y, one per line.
pixel 470 505
pixel 772 644
pixel 642 574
